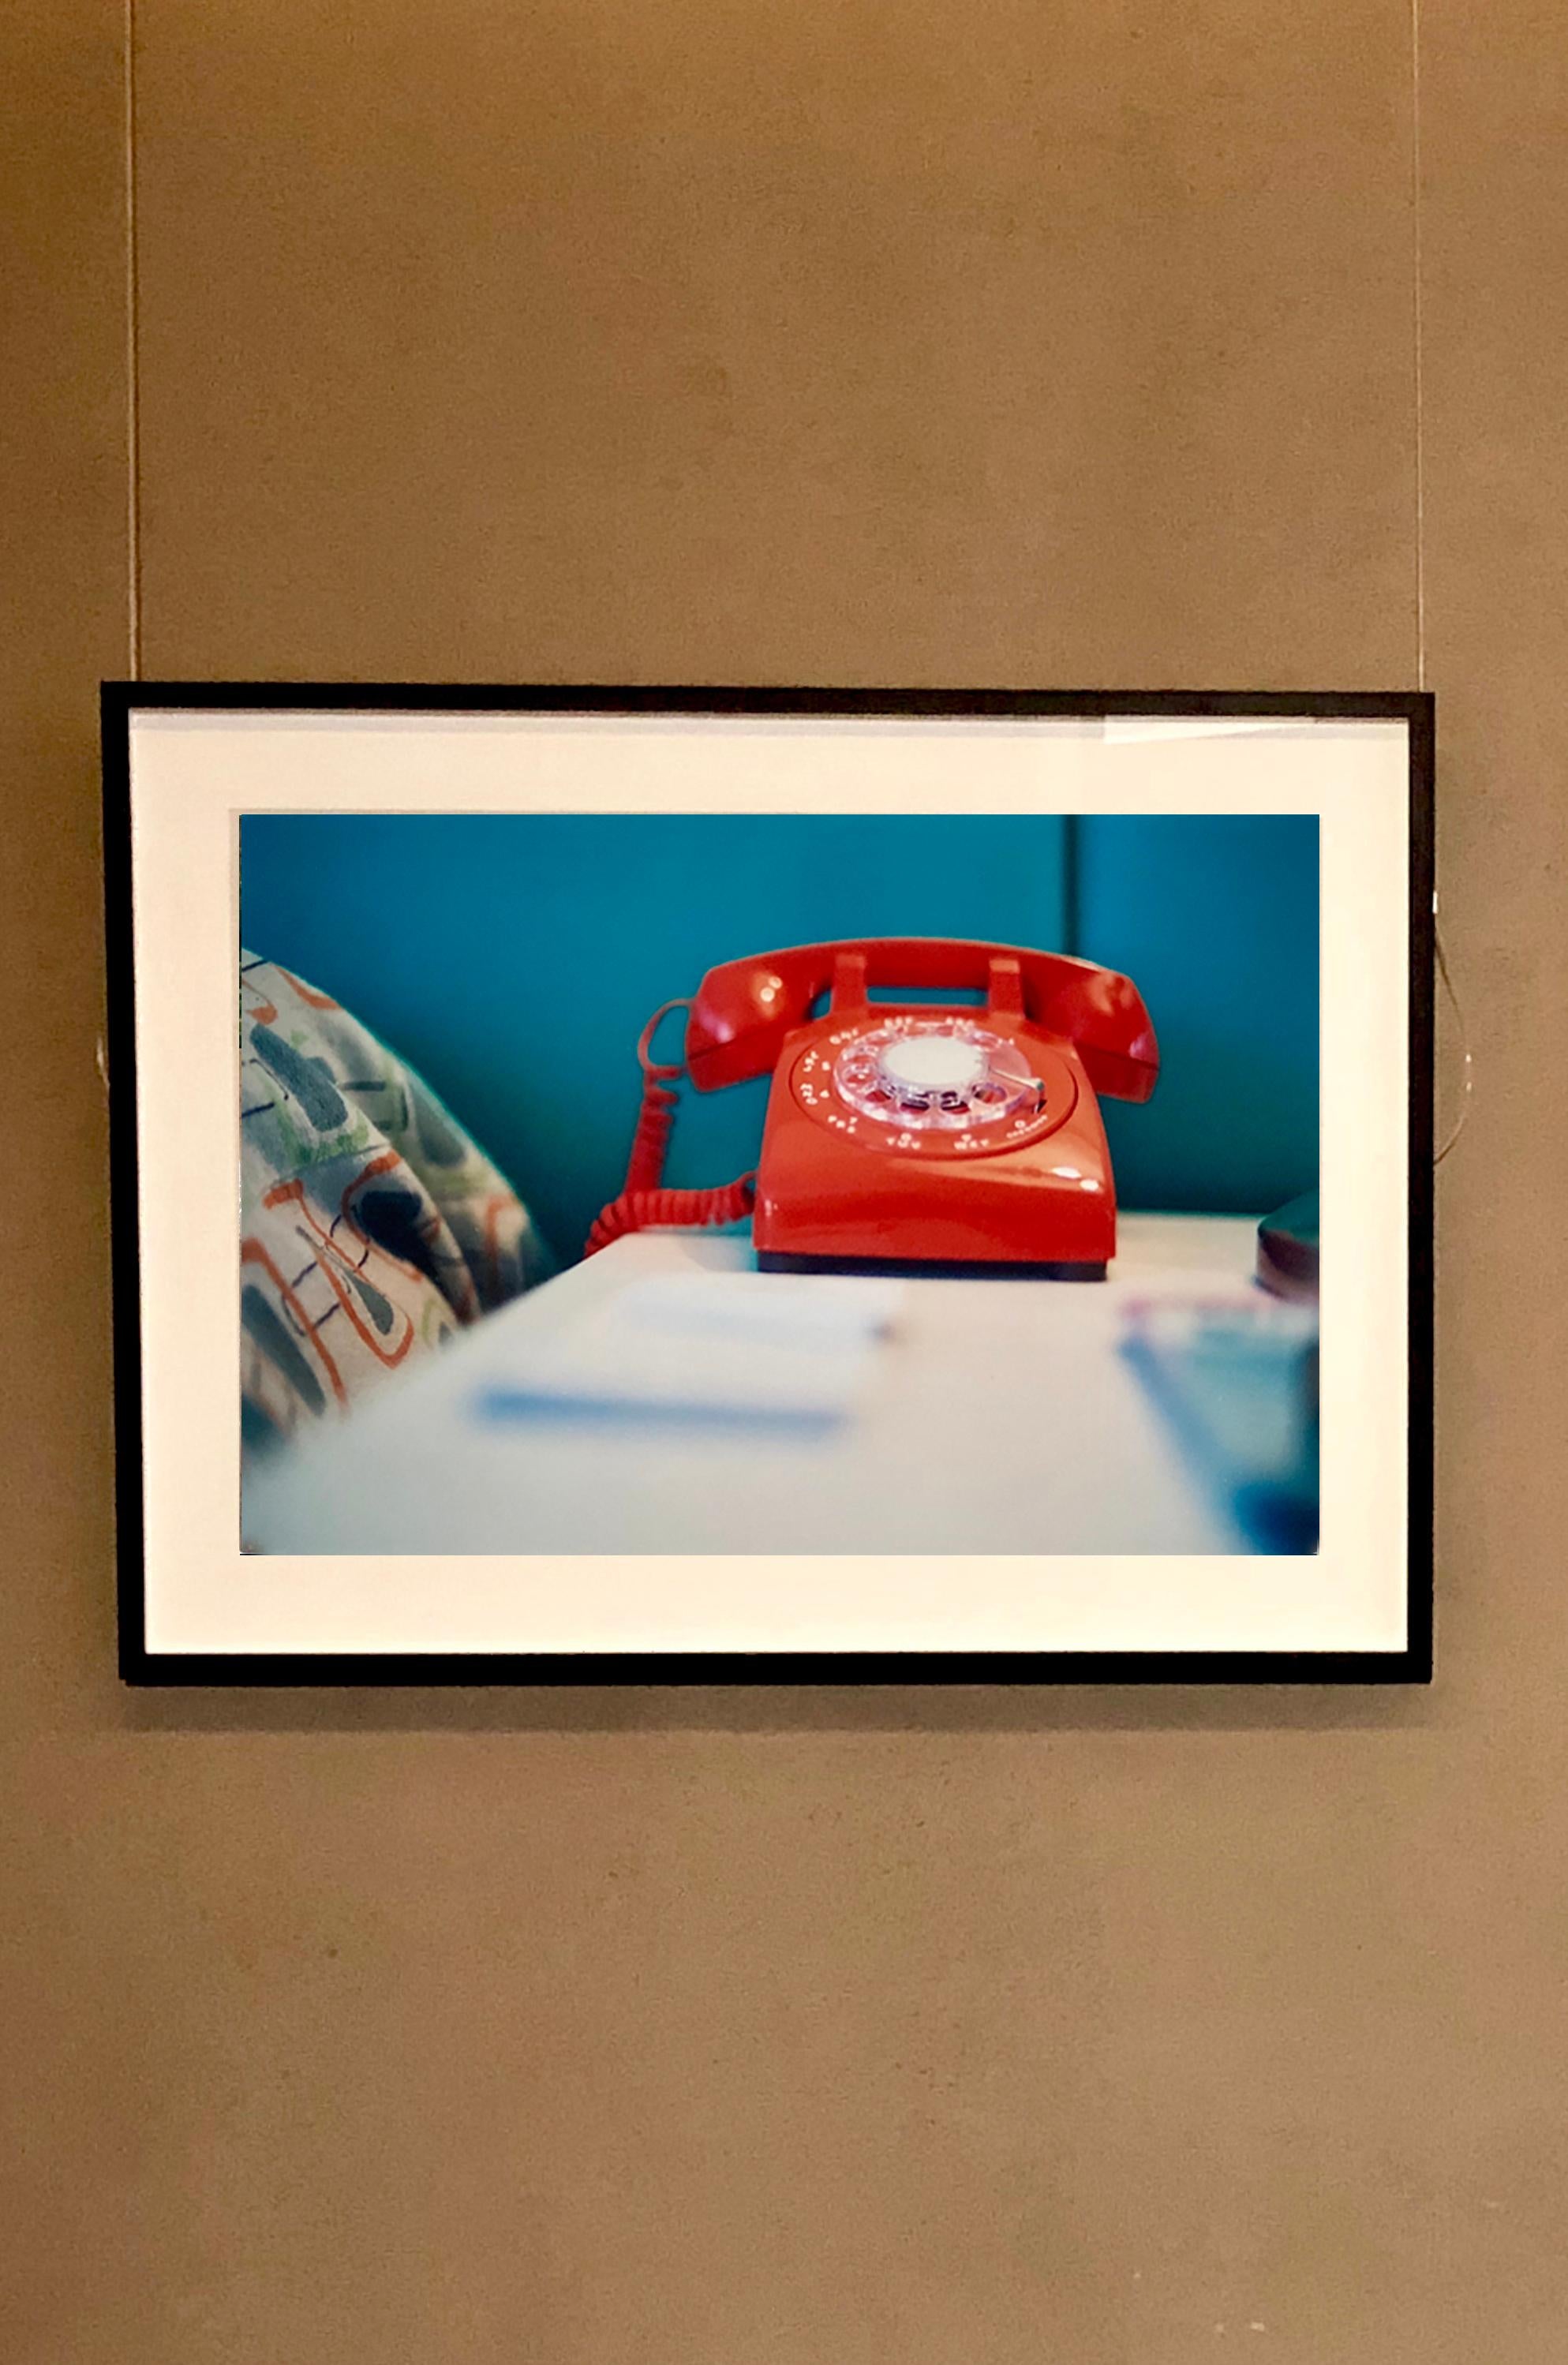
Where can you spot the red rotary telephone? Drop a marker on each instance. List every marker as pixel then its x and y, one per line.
pixel 917 1137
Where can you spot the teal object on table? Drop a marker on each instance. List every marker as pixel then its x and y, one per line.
pixel 1238 1383
pixel 1287 1250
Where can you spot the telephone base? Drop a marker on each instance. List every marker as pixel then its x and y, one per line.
pixel 930 1268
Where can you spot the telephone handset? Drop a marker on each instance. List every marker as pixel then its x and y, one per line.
pixel 915 1137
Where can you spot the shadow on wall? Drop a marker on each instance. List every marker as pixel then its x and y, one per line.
pixel 514 960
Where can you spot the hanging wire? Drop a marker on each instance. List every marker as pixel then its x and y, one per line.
pixel 132 357
pixel 1467 1065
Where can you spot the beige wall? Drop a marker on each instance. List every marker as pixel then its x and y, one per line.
pixel 851 341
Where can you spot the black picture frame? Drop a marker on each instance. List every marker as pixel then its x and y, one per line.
pixel 140 1665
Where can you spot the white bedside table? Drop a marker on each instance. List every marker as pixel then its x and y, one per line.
pixel 999 1418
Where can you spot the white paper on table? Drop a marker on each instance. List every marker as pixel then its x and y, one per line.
pixel 785 1308
pixel 707 1346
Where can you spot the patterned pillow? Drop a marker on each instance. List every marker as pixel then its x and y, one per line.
pixel 371 1228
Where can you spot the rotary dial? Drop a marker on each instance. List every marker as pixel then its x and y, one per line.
pixel 939 1075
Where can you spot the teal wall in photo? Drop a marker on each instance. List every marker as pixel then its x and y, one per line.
pixel 1215 917
pixel 514 960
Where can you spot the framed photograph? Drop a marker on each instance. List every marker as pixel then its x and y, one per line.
pixel 835 1186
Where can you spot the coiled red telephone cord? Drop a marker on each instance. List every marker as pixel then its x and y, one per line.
pixel 643 1202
